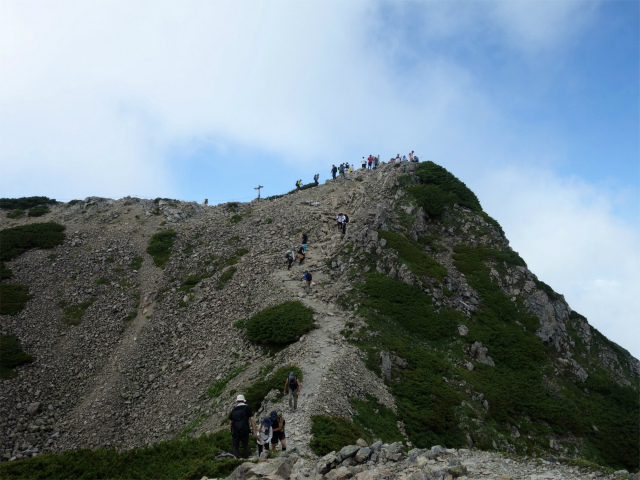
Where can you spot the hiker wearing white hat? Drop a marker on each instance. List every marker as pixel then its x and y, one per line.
pixel 239 420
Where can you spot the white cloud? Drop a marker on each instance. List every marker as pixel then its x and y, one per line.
pixel 566 232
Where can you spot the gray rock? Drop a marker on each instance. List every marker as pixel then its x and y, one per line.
pixel 363 454
pixel 349 451
pixel 34 408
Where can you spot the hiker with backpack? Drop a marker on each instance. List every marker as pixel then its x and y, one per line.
pixel 305 237
pixel 345 220
pixel 299 184
pixel 307 276
pixel 370 161
pixel 301 254
pixel 334 170
pixel 265 433
pixel 340 221
pixel 239 420
pixel 278 423
pixel 288 257
pixel 293 383
pixel 316 179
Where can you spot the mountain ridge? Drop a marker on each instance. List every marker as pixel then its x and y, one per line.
pixel 151 341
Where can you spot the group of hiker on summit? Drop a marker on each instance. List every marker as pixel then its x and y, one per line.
pixel 271 428
pixel 369 163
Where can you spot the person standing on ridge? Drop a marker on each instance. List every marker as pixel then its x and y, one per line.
pixel 364 163
pixel 239 420
pixel 370 161
pixel 293 384
pixel 334 170
pixel 316 179
pixel 376 162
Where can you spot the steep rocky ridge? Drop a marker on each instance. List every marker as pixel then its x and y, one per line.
pixel 137 367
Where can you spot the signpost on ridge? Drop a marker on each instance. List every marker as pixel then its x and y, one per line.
pixel 258 188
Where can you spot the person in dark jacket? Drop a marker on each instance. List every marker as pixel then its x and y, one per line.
pixel 241 425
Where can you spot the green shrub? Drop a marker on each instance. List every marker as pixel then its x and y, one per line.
pixel 492 221
pixel 268 220
pixel 430 173
pixel 376 420
pixel 74 202
pixel 233 259
pixel 256 393
pixel 240 324
pixel 17 213
pixel 11 356
pixel 13 298
pixel 38 211
pixel 24 203
pixel 232 206
pixel 281 324
pixel 188 458
pixel 136 263
pixel 192 281
pixel 17 240
pixel 331 433
pixel 218 386
pixel 5 272
pixel 226 277
pixel 418 261
pixel 160 247
pixel 432 198
pixel 73 313
pixel 236 218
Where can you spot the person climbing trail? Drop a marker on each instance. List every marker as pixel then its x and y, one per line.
pixel 340 221
pixel 305 237
pixel 264 435
pixel 289 258
pixel 308 277
pixel 278 424
pixel 239 420
pixel 293 384
pixel 345 220
pixel 301 254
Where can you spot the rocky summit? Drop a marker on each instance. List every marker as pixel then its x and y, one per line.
pixel 133 321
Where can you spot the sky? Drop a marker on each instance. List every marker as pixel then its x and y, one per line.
pixel 534 104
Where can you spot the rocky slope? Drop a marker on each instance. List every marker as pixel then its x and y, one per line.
pixel 149 342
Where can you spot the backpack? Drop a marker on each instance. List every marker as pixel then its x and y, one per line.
pixel 293 381
pixel 239 421
pixel 346 219
pixel 308 278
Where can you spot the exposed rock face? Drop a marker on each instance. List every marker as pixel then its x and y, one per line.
pixel 436 463
pixel 135 368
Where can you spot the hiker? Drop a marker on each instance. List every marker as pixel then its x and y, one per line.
pixel 265 433
pixel 301 254
pixel 398 159
pixel 334 170
pixel 307 276
pixel 376 162
pixel 293 383
pixel 316 179
pixel 289 257
pixel 206 201
pixel 364 163
pixel 298 184
pixel 411 156
pixel 340 221
pixel 370 160
pixel 404 159
pixel 239 420
pixel 345 220
pixel 305 237
pixel 278 431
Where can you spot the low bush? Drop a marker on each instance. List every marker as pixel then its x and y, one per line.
pixel 376 420
pixel 17 240
pixel 217 387
pixel 38 211
pixel 160 247
pixel 73 313
pixel 5 272
pixel 430 173
pixel 17 213
pixel 281 324
pixel 226 276
pixel 192 281
pixel 188 458
pixel 233 259
pixel 13 298
pixel 256 393
pixel 419 262
pixel 236 218
pixel 331 433
pixel 11 356
pixel 136 263
pixel 24 203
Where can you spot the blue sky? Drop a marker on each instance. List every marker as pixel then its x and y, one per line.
pixel 534 104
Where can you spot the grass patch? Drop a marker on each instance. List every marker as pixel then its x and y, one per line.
pixel 160 247
pixel 17 240
pixel 192 281
pixel 189 458
pixel 24 203
pixel 136 263
pixel 281 324
pixel 410 253
pixel 236 218
pixel 73 313
pixel 11 356
pixel 331 433
pixel 268 220
pixel 5 272
pixel 376 420
pixel 218 386
pixel 13 298
pixel 226 277
pixel 256 393
pixel 102 281
pixel 233 259
pixel 188 249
